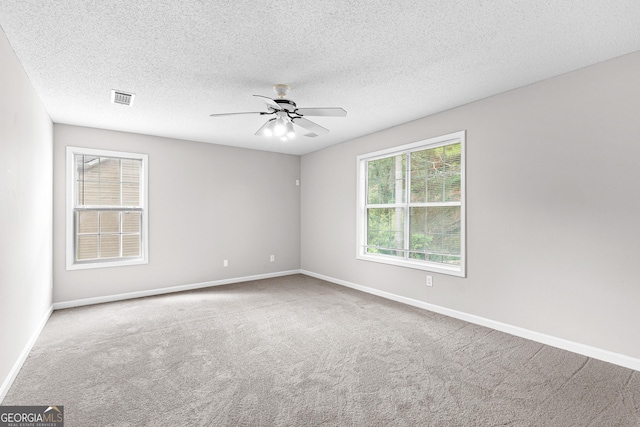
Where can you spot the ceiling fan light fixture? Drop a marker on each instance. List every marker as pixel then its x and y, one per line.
pixel 280 127
pixel 291 133
pixel 268 130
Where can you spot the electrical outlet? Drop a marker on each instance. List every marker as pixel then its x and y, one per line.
pixel 429 281
pixel 225 263
pixel 297 182
pixel 272 258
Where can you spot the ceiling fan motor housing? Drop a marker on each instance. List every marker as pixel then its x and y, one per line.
pixel 286 104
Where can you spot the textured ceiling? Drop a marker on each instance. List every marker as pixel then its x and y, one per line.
pixel 385 62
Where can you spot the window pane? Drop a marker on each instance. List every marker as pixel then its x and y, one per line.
pixel 87 222
pixel 385 230
pixel 80 193
pixel 418 231
pixel 91 192
pixel 130 194
pixel 386 180
pixel 436 174
pixel 131 222
pixel 106 228
pixel 436 232
pixel 109 169
pixel 87 247
pixel 419 176
pixel 130 245
pixel 87 176
pixel 109 245
pixel 443 174
pixel 109 193
pixel 85 165
pixel 107 181
pixel 109 222
pixel 131 170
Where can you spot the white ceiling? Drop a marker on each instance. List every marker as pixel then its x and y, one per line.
pixel 385 62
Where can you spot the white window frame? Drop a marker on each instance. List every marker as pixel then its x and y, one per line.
pixel 72 264
pixel 361 221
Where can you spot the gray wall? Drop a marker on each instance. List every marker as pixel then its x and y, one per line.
pixel 552 208
pixel 207 203
pixel 25 210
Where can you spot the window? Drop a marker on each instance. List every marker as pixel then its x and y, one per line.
pixel 411 209
pixel 106 208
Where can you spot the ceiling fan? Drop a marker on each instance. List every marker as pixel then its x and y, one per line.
pixel 287 114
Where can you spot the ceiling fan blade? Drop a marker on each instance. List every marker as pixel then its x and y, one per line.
pixel 270 102
pixel 324 112
pixel 235 114
pixel 310 126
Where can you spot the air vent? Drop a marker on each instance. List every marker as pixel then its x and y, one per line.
pixel 122 98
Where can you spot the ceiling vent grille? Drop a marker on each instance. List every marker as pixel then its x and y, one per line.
pixel 122 98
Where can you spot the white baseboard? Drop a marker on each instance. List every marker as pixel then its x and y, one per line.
pixel 6 385
pixel 161 291
pixel 585 350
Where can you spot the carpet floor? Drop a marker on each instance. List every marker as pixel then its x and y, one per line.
pixel 298 351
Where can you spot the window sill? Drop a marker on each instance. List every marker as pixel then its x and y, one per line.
pixel 105 264
pixel 452 270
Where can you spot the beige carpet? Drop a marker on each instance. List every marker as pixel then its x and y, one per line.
pixel 297 351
